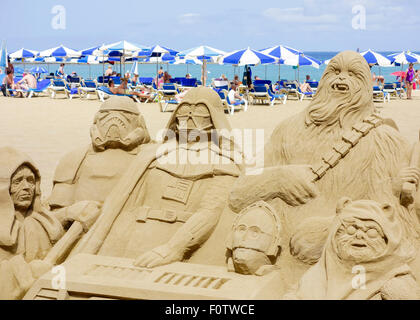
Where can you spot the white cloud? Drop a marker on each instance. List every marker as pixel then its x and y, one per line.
pixel 189 18
pixel 298 15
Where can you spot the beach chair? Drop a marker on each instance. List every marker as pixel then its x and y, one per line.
pixel 57 86
pixel 313 85
pixel 292 90
pixel 42 87
pixel 399 87
pixel 302 95
pixel 282 97
pixel 167 95
pixel 390 88
pixel 71 92
pixel 379 95
pixel 86 88
pixel 233 106
pixel 104 92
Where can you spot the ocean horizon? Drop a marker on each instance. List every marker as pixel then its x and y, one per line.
pixel 268 72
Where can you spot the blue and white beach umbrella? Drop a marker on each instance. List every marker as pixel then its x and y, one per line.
pixel 157 51
pixel 404 57
pixel 302 60
pixel 281 52
pixel 3 56
pixel 374 58
pixel 122 46
pixel 90 51
pixel 204 53
pixel 38 70
pixel 60 51
pixel 246 56
pixel 201 52
pixel 23 54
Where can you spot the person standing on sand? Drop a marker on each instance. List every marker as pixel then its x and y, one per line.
pixel 409 80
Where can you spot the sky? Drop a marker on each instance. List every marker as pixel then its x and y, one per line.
pixel 308 25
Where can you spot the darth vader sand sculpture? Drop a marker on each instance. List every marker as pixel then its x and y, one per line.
pixel 365 257
pixel 172 195
pixel 90 172
pixel 27 229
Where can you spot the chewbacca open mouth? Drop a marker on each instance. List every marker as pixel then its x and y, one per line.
pixel 340 87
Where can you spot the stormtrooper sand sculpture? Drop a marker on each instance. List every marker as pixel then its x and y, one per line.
pixel 336 147
pixel 254 243
pixel 171 197
pixel 89 173
pixel 27 229
pixel 365 257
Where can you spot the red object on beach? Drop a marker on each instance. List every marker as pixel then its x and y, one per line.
pixel 398 74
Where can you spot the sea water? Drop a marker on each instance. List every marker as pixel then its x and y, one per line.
pixel 271 72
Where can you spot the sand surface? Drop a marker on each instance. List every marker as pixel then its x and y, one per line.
pixel 47 128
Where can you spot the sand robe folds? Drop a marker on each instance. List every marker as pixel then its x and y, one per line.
pixel 21 241
pixel 156 197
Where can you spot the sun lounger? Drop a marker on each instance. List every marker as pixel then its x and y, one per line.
pixel 390 88
pixel 86 88
pixel 42 87
pixel 236 105
pixel 263 94
pixel 302 94
pixel 71 92
pixel 292 90
pixel 57 86
pixel 104 92
pixel 380 95
pixel 167 95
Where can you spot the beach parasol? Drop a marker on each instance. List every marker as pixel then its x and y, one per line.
pixel 203 53
pixel 404 57
pixel 281 53
pixel 374 58
pixel 38 70
pixel 60 52
pixel 246 56
pixel 3 56
pixel 23 53
pixel 302 60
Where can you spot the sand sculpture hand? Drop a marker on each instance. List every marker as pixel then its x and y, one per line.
pixel 293 184
pixel 86 212
pixel 39 267
pixel 159 256
pixel 408 174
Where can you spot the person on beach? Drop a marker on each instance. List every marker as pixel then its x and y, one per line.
pixel 28 82
pixel 122 89
pixel 187 76
pixel 108 71
pixel 305 87
pixel 234 96
pixel 409 80
pixel 60 71
pixel 236 80
pixel 166 77
pixel 135 79
pixel 257 78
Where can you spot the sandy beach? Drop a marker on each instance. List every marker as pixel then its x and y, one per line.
pixel 47 128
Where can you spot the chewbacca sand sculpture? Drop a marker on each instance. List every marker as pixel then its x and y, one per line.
pixel 171 197
pixel 365 257
pixel 90 172
pixel 347 150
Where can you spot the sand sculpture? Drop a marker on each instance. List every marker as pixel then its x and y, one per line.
pixel 336 147
pixel 27 229
pixel 90 172
pixel 365 257
pixel 254 243
pixel 165 225
pixel 168 201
